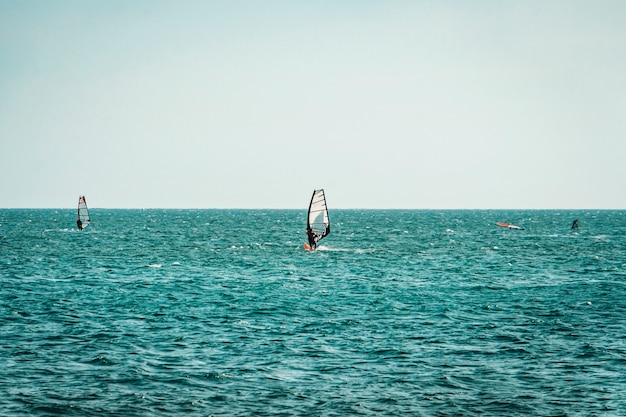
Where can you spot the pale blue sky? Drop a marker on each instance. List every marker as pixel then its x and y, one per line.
pixel 253 104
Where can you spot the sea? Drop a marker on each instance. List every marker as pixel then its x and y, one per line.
pixel 399 312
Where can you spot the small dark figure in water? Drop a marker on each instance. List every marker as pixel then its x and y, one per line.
pixel 79 224
pixel 311 235
pixel 575 224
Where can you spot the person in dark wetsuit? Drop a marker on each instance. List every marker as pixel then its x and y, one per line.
pixel 575 224
pixel 79 224
pixel 311 235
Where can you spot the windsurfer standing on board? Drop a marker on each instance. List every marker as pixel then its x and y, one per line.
pixel 575 224
pixel 79 224
pixel 311 235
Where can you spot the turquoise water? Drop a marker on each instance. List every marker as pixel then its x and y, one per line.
pixel 221 312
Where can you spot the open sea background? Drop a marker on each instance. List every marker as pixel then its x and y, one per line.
pixel 400 312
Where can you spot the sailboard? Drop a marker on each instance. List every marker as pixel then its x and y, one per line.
pixel 83 219
pixel 509 226
pixel 318 222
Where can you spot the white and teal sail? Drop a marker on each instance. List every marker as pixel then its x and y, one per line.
pixel 83 213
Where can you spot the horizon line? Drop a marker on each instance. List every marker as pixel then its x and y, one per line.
pixel 304 208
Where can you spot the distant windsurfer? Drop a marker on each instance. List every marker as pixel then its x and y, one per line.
pixel 575 224
pixel 317 223
pixel 312 238
pixel 79 224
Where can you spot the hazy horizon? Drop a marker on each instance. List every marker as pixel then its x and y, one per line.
pixel 304 208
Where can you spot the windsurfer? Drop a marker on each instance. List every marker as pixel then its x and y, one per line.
pixel 79 224
pixel 312 241
pixel 575 224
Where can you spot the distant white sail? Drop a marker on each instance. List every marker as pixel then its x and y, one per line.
pixel 510 226
pixel 318 222
pixel 83 213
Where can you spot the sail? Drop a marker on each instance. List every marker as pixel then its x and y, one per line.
pixel 83 213
pixel 510 226
pixel 318 222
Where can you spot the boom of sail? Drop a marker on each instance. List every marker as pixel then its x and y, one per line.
pixel 318 222
pixel 83 213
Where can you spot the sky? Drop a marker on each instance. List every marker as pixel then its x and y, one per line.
pixel 253 104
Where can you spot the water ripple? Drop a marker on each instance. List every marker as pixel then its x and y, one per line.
pixel 221 312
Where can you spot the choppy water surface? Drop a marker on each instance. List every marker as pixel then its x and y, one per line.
pixel 221 312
